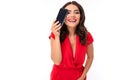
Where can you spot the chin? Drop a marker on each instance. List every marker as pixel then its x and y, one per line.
pixel 72 25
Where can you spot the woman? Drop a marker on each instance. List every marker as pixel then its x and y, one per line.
pixel 69 45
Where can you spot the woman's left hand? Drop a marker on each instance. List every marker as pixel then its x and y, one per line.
pixel 81 78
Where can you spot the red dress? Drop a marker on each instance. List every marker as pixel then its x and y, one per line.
pixel 71 67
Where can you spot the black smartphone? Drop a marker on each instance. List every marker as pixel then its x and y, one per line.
pixel 61 15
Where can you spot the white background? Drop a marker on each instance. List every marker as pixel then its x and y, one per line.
pixel 25 47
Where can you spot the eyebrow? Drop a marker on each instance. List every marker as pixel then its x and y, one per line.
pixel 74 10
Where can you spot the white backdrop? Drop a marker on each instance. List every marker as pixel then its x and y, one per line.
pixel 25 47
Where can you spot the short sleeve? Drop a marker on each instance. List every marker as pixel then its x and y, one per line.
pixel 89 38
pixel 52 35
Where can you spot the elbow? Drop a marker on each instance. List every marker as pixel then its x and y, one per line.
pixel 56 61
pixel 56 58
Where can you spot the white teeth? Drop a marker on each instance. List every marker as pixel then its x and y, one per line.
pixel 72 20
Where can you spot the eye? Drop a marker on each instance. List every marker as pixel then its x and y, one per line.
pixel 77 12
pixel 68 12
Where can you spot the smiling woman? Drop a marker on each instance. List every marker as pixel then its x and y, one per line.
pixel 70 45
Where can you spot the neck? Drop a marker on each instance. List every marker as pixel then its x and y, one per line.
pixel 71 31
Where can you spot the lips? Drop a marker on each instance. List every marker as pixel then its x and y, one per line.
pixel 72 20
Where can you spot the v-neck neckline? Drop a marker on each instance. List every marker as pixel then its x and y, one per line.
pixel 73 53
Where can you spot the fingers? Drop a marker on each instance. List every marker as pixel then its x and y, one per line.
pixel 56 26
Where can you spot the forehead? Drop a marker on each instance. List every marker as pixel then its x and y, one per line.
pixel 71 7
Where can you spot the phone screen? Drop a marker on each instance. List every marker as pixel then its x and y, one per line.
pixel 61 15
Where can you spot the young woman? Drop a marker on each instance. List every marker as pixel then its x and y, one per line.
pixel 69 45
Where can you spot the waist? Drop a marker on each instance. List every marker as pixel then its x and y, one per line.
pixel 57 67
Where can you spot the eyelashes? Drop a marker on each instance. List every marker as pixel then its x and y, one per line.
pixel 75 12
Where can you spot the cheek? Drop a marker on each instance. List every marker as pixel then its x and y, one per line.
pixel 66 19
pixel 78 19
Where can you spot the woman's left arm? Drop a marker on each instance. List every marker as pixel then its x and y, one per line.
pixel 90 55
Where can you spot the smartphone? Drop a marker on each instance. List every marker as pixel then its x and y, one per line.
pixel 61 15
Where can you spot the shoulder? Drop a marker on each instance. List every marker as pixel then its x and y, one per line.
pixel 89 38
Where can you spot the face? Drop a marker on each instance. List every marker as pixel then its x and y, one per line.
pixel 73 16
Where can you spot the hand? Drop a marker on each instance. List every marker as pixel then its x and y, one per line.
pixel 81 78
pixel 56 26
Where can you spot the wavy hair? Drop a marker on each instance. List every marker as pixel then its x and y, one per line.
pixel 81 30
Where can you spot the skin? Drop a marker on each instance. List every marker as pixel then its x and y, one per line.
pixel 56 54
pixel 71 21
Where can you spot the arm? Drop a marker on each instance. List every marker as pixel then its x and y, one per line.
pixel 56 55
pixel 89 61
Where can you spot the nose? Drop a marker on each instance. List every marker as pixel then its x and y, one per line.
pixel 72 14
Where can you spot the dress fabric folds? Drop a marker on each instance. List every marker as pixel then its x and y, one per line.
pixel 70 68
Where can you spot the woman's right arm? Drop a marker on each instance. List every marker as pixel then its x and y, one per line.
pixel 56 54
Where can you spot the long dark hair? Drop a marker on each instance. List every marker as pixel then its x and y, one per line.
pixel 81 30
